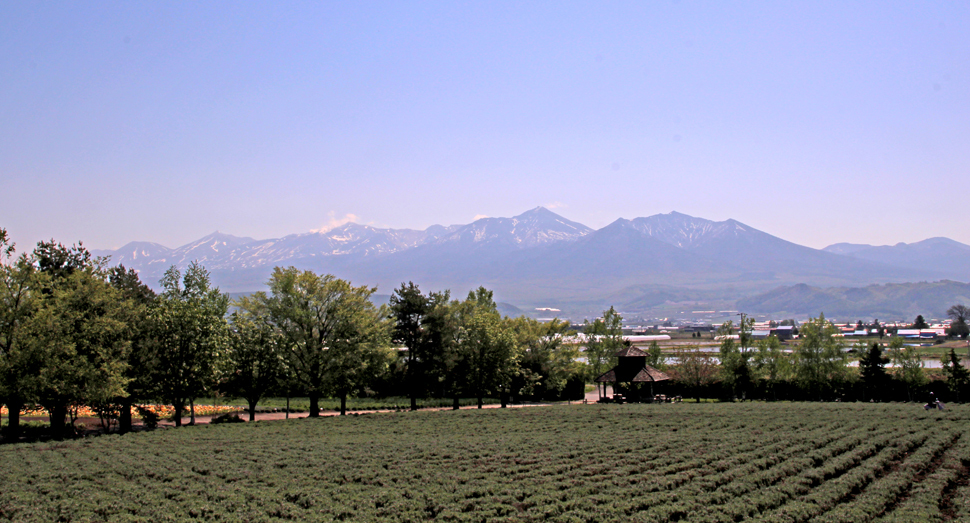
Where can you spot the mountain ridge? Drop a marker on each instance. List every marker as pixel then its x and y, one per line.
pixel 536 256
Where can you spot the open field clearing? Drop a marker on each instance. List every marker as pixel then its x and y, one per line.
pixel 593 463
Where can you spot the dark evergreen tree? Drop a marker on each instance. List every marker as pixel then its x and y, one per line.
pixel 409 308
pixel 872 369
pixel 920 323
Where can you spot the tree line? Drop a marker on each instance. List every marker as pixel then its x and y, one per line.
pixel 817 367
pixel 75 333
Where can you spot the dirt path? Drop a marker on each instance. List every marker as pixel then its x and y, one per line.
pixel 275 416
pixel 593 396
pixel 93 425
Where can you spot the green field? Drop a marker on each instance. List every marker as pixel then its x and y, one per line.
pixel 592 463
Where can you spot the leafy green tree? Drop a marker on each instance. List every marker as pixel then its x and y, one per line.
pixel 818 362
pixel 19 301
pixel 770 364
pixel 957 376
pixel 486 347
pixel 959 314
pixel 446 370
pixel 872 371
pixel 604 337
pixel 908 366
pixel 959 329
pixel 920 323
pixel 695 369
pixel 80 335
pixel 655 357
pixel 190 335
pixel 360 349
pixel 329 329
pixel 735 368
pixel 547 362
pixel 254 361
pixel 141 383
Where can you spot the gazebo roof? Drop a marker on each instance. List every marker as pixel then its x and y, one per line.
pixel 646 374
pixel 631 351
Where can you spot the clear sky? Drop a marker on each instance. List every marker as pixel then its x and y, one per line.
pixel 819 122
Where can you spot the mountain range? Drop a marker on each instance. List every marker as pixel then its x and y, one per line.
pixel 539 257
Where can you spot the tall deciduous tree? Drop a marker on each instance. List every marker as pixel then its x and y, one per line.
pixel 254 359
pixel 446 369
pixel 604 337
pixel 141 384
pixel 19 300
pixel 80 334
pixel 908 366
pixel 360 350
pixel 770 364
pixel 695 369
pixel 191 335
pixel 655 357
pixel 959 314
pixel 547 362
pixel 332 334
pixel 485 346
pixel 818 361
pixel 735 366
pixel 957 376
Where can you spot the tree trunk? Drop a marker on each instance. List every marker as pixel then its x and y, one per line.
pixel 287 405
pixel 343 403
pixel 58 413
pixel 414 401
pixel 252 409
pixel 124 417
pixel 505 400
pixel 314 405
pixel 192 411
pixel 480 400
pixel 14 405
pixel 177 414
pixel 454 404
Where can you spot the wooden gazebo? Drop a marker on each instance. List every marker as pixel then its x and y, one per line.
pixel 631 368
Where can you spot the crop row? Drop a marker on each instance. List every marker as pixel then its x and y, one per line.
pixel 727 462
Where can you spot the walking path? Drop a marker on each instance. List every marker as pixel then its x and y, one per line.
pixel 93 425
pixel 274 416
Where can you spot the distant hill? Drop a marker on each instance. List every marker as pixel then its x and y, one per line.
pixel 888 301
pixel 950 259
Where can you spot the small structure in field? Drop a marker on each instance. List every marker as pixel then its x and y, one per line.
pixel 631 369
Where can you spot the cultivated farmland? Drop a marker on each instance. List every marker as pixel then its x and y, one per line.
pixel 591 463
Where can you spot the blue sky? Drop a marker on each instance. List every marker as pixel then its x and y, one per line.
pixel 819 122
